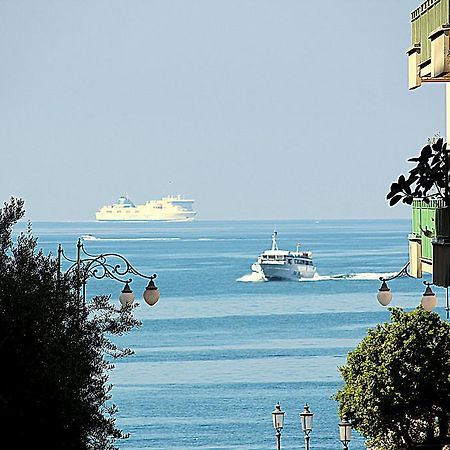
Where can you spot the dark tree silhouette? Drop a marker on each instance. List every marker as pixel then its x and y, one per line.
pixel 428 179
pixel 54 350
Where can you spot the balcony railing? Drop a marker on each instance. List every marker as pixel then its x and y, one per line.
pixel 423 8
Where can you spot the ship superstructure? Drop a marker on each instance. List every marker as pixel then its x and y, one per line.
pixel 276 264
pixel 170 208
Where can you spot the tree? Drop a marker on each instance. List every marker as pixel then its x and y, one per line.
pixel 428 179
pixel 397 381
pixel 54 350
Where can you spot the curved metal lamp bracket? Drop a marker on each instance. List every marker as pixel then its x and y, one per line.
pixel 403 273
pixel 100 266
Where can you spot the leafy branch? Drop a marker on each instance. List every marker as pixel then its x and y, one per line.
pixel 428 179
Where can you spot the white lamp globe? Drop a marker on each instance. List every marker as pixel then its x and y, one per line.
pixel 126 298
pixel 429 299
pixel 384 295
pixel 151 293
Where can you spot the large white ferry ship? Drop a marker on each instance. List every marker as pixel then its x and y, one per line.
pixel 276 264
pixel 171 208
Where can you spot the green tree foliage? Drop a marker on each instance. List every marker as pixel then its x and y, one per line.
pixel 55 353
pixel 397 380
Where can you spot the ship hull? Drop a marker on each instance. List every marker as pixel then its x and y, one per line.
pixel 284 271
pixel 144 220
pixel 123 218
pixel 167 209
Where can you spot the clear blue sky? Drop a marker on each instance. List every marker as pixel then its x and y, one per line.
pixel 256 109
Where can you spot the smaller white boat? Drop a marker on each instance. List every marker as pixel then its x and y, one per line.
pixel 88 237
pixel 276 264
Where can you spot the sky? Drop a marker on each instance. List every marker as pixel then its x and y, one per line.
pixel 256 109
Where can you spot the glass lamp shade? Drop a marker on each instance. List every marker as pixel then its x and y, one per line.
pixel 151 293
pixel 345 430
pixel 127 296
pixel 429 299
pixel 306 419
pixel 278 417
pixel 384 295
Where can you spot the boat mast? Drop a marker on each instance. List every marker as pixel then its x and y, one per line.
pixel 274 240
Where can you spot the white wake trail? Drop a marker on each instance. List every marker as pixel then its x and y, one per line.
pixel 93 238
pixel 255 277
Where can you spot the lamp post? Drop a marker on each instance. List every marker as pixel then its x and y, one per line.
pixel 106 265
pixel 306 420
pixel 345 431
pixel 384 296
pixel 278 422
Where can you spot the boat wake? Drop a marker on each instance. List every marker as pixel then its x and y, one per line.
pixel 363 276
pixel 254 277
pixel 350 276
pixel 94 238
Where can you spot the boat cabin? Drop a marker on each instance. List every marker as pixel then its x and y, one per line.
pixel 303 258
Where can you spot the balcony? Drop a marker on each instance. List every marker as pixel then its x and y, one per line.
pixel 430 42
pixel 429 241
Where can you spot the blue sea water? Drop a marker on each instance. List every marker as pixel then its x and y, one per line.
pixel 218 351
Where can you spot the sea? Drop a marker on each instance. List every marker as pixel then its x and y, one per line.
pixel 222 347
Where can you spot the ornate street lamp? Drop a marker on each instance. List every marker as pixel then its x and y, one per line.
pixel 106 265
pixel 127 296
pixel 384 296
pixel 345 432
pixel 429 300
pixel 151 293
pixel 306 420
pixel 278 422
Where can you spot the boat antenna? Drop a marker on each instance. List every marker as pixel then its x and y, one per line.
pixel 274 240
